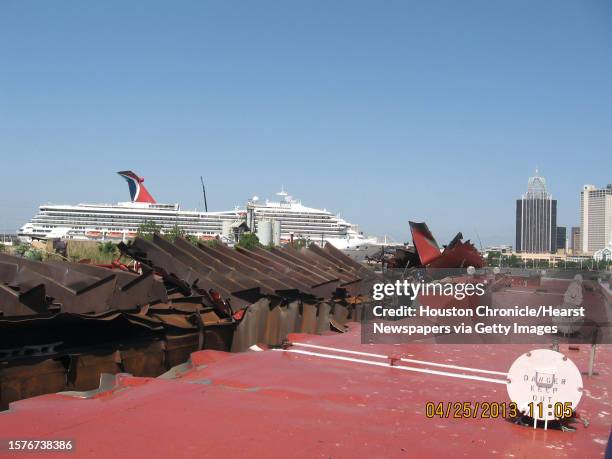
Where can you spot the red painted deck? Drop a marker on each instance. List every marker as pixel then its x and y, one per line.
pixel 277 404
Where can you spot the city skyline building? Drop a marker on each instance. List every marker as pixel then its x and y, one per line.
pixel 595 218
pixel 536 218
pixel 561 238
pixel 575 240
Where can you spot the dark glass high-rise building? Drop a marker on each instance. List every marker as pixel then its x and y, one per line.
pixel 536 219
pixel 561 237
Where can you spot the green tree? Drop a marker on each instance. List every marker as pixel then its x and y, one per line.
pixel 300 243
pixel 192 239
pixel 33 254
pixel 107 249
pixel 22 248
pixel 174 233
pixel 493 258
pixel 148 229
pixel 249 241
pixel 514 261
pixel 210 243
pixel 2 247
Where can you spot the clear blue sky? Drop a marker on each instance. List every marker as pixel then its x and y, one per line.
pixel 386 111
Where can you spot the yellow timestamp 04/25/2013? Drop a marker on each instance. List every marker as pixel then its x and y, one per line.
pixel 492 410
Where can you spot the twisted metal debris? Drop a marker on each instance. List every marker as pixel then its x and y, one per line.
pixel 63 324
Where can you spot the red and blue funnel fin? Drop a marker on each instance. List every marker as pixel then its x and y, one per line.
pixel 138 192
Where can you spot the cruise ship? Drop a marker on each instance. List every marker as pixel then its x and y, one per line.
pixel 101 222
pixel 299 221
pixel 120 221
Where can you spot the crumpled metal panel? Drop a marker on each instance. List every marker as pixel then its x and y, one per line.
pixel 316 285
pixel 23 301
pixel 305 258
pixel 144 360
pixel 457 254
pixel 191 273
pixel 30 287
pixel 74 291
pixel 266 275
pixel 65 311
pixel 26 381
pixel 131 289
pixel 274 257
pixel 252 326
pixel 243 276
pixel 268 323
pixel 284 290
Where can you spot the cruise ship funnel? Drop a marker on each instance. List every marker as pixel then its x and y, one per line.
pixel 138 192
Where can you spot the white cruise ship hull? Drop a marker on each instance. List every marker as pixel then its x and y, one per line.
pixel 116 222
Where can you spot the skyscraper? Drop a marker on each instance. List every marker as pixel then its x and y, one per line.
pixel 561 237
pixel 536 219
pixel 575 240
pixel 595 217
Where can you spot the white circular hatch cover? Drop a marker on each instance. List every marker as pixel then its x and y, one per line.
pixel 547 377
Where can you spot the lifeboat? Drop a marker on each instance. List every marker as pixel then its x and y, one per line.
pixel 115 234
pixel 94 234
pixel 131 234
